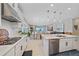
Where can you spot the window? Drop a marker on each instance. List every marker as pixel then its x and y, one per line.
pixel 40 29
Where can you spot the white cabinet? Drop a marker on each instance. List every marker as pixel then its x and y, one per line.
pixel 20 47
pixel 24 43
pixel 76 43
pixel 65 45
pixel 69 45
pixel 45 47
pixel 13 5
pixel 10 52
pixel 62 44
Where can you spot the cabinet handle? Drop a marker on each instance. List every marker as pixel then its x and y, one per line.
pixel 21 47
pixel 26 40
pixel 66 43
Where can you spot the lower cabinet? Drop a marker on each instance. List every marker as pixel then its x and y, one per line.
pixel 18 49
pixel 75 41
pixel 62 44
pixel 24 44
pixel 76 44
pixel 69 44
pixel 65 45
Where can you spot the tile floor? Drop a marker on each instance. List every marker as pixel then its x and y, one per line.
pixel 68 53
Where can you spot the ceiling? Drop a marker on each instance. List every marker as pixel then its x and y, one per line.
pixel 44 14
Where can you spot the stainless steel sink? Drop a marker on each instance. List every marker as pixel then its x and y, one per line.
pixel 11 41
pixel 60 36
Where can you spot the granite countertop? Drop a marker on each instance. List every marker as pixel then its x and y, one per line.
pixel 57 36
pixel 5 48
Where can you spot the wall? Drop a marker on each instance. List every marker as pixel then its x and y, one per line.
pixel 11 27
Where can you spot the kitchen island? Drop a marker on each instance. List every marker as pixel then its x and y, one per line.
pixel 15 49
pixel 55 43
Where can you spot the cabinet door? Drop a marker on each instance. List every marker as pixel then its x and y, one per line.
pixel 65 45
pixel 10 53
pixel 77 43
pixel 68 44
pixel 24 43
pixel 74 43
pixel 18 49
pixel 62 45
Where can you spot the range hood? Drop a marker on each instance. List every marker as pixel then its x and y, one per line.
pixel 8 13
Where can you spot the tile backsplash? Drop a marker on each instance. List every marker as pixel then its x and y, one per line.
pixel 11 27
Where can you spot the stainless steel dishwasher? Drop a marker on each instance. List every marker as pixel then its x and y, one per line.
pixel 53 46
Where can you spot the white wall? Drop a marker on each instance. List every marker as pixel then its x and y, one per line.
pixel 11 27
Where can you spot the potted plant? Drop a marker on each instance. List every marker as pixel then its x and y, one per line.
pixel 28 34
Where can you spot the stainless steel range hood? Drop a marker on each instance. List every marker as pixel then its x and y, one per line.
pixel 10 18
pixel 8 13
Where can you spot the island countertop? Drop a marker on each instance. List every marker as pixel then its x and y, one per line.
pixel 58 36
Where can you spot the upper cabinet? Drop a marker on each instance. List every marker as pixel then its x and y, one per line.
pixel 14 5
pixel 10 12
pixel 18 10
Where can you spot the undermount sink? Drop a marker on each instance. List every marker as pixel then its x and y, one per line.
pixel 11 41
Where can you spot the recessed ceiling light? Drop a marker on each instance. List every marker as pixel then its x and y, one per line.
pixel 51 5
pixel 69 8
